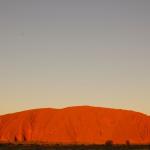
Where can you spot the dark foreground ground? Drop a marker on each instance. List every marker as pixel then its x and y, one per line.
pixel 73 147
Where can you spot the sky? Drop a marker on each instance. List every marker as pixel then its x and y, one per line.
pixel 59 53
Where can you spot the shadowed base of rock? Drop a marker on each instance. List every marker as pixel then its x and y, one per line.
pixel 72 147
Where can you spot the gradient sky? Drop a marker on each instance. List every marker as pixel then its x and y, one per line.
pixel 57 53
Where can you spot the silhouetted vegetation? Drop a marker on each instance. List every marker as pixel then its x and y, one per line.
pixel 109 143
pixel 108 146
pixel 127 142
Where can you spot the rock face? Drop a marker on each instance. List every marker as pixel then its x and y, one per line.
pixel 75 125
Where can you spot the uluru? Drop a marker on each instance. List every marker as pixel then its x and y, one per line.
pixel 75 125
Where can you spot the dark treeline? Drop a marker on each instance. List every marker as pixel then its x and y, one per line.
pixel 107 146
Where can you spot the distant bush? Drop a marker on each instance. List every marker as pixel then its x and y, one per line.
pixel 109 143
pixel 127 142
